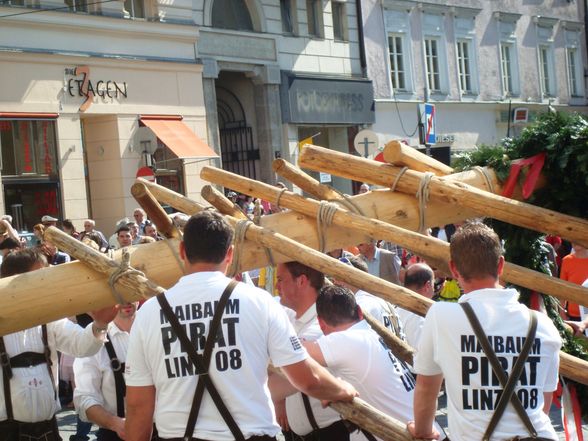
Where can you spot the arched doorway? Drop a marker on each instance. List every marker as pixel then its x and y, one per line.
pixel 239 152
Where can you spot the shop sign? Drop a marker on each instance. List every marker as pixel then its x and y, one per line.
pixel 310 100
pixel 82 85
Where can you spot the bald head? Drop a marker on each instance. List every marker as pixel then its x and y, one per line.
pixel 420 278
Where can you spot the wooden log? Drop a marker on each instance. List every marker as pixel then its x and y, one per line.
pixel 423 245
pixel 402 350
pixel 154 211
pixel 303 181
pixel 402 155
pixel 373 420
pixel 176 200
pixel 221 202
pixel 440 188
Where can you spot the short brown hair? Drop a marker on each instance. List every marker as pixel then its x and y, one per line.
pixel 316 278
pixel 21 261
pixel 475 251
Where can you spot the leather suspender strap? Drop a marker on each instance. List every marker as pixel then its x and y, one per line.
pixel 6 376
pixel 308 410
pixel 202 362
pixel 507 382
pixel 119 380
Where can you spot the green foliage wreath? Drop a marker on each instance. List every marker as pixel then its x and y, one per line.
pixel 564 138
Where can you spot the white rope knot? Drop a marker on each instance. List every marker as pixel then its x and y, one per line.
pixel 123 269
pixel 240 230
pixel 398 176
pixel 422 195
pixel 324 219
pixel 279 197
pixel 486 176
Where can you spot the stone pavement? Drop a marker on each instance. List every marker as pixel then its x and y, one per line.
pixel 67 421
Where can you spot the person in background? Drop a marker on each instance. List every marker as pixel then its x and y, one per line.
pixel 90 227
pixel 70 228
pixel 141 219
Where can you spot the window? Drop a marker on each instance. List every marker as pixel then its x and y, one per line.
pixel 463 66
pixel 288 18
pixel 314 17
pixel 231 14
pixel 545 70
pixel 507 69
pixel 339 18
pixel 432 64
pixel 28 148
pixel 399 55
pixel 397 65
pixel 134 9
pixel 572 54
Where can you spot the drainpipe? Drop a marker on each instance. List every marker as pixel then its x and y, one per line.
pixel 362 57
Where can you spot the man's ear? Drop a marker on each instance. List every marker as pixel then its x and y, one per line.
pixel 454 271
pixel 183 252
pixel 229 255
pixel 324 327
pixel 500 266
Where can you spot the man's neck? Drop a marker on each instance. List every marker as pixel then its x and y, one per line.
pixel 304 306
pixel 476 284
pixel 202 267
pixel 124 324
pixel 341 327
pixel 581 254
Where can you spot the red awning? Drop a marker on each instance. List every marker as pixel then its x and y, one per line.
pixel 28 115
pixel 177 136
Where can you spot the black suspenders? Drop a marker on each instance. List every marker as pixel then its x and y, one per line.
pixel 24 359
pixel 508 382
pixel 202 363
pixel 119 380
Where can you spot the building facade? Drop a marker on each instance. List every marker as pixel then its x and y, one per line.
pixel 94 91
pixel 488 66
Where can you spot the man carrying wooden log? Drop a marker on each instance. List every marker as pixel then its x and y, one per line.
pixel 99 395
pixel 491 350
pixel 214 388
pixel 299 286
pixel 350 349
pixel 28 398
pixel 420 278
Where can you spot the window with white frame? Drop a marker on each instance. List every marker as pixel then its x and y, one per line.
pixel 509 81
pixel 509 67
pixel 545 57
pixel 435 58
pixel 339 21
pixel 314 17
pixel 397 22
pixel 465 54
pixel 574 63
pixel 546 70
pixel 397 65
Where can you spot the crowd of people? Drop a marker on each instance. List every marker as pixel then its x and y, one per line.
pixel 192 364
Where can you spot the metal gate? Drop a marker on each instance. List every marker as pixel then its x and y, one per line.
pixel 239 154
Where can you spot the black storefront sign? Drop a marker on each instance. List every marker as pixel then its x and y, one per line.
pixel 312 100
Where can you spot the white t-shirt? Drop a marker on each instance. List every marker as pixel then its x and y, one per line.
pixel 449 346
pixel 94 376
pixel 254 330
pixel 358 355
pixel 381 310
pixel 33 393
pixel 412 325
pixel 307 328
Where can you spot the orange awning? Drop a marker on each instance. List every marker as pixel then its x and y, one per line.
pixel 177 136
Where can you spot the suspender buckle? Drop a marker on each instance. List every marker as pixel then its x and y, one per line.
pixel 116 364
pixel 4 359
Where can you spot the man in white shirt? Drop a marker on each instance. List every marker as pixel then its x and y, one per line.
pixel 100 386
pixel 350 349
pixel 298 286
pixel 450 349
pixel 420 278
pixel 230 395
pixel 28 398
